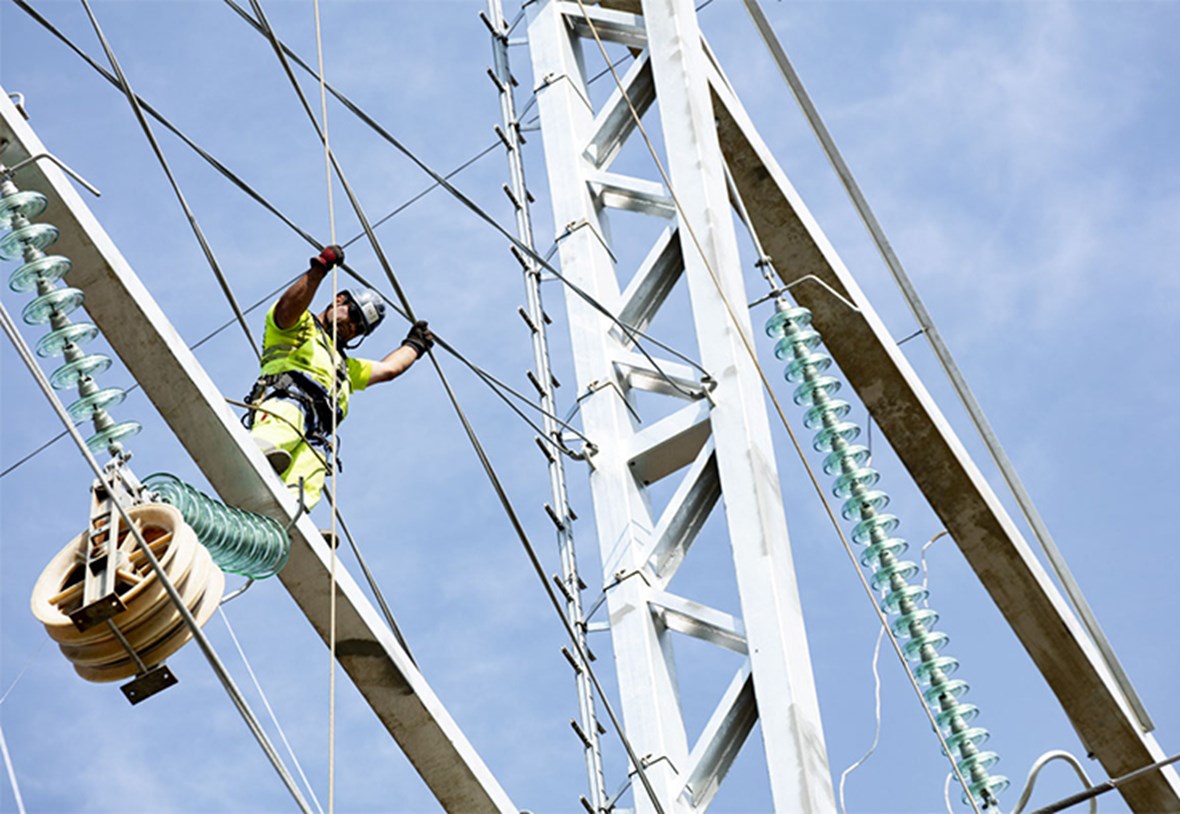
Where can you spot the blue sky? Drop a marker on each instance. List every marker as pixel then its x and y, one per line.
pixel 1018 155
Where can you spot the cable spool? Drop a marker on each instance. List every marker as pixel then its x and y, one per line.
pixel 240 542
pixel 848 462
pixel 150 623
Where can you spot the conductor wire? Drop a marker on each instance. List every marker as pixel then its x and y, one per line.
pixel 319 44
pixel 468 429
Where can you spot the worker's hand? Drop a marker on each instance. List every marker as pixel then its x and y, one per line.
pixel 420 338
pixel 330 256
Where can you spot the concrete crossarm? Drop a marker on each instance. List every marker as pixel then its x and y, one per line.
pixel 182 392
pixel 940 465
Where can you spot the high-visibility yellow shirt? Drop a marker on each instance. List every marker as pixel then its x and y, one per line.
pixel 307 347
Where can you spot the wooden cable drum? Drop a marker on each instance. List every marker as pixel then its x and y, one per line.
pixel 150 622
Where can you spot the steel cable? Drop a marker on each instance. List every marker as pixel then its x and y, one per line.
pixel 477 445
pixel 133 100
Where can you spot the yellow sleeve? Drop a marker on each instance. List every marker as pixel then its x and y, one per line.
pixel 359 373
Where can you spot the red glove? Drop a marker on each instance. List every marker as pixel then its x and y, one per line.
pixel 330 256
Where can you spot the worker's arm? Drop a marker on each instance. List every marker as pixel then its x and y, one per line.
pixel 298 297
pixel 418 341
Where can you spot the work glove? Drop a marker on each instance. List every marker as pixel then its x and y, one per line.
pixel 330 256
pixel 420 338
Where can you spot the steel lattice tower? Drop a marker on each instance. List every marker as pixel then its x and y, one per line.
pixel 716 441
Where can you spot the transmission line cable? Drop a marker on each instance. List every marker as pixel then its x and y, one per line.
pixel 186 615
pixel 746 343
pixel 633 334
pixel 20 803
pixel 269 709
pixel 469 430
pixel 942 352
pixel 133 100
pixel 324 135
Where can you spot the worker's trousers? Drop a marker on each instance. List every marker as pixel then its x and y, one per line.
pixel 281 422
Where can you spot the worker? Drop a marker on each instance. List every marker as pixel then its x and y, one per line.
pixel 303 369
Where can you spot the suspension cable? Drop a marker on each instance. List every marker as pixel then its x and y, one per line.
pixel 746 343
pixel 632 333
pixel 274 719
pixel 203 642
pixel 133 100
pixel 11 770
pixel 319 43
pixel 472 437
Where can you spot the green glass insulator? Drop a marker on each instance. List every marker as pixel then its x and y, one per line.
pixel 903 568
pixel 814 417
pixel 825 438
pixel 964 712
pixel 54 343
pixel 104 438
pixel 954 687
pixel 893 599
pixel 856 506
pixel 923 616
pixel 68 375
pixel 862 532
pixel 776 325
pixel 84 408
pixel 50 269
pixel 932 638
pixel 854 453
pixel 892 545
pixel 29 204
pixel 805 393
pixel 38 235
pixel 60 300
pixel 974 735
pixel 804 337
pixel 864 476
pixel 947 664
pixel 992 785
pixel 796 370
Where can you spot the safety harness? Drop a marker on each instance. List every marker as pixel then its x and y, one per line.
pixel 302 390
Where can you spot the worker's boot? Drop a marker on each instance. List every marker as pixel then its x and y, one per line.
pixel 278 458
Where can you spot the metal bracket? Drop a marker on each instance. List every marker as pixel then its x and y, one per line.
pixel 785 288
pixel 9 172
pixel 148 683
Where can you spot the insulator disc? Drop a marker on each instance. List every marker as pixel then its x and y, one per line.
pixel 814 418
pixel 69 374
pixel 824 439
pixel 894 545
pixel 893 599
pixel 785 347
pixel 864 476
pixel 805 393
pixel 27 203
pixel 954 687
pixel 974 735
pixel 104 438
pixel 84 408
pixel 855 506
pixel 967 712
pixel 935 638
pixel 50 269
pixel 862 532
pixel 923 616
pixel 994 784
pixel 904 568
pixel 796 370
pixel 38 235
pixel 946 664
pixel 54 343
pixel 62 300
pixel 858 454
pixel 776 325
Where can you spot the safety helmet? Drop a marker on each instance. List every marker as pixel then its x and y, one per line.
pixel 368 307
